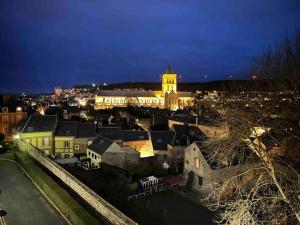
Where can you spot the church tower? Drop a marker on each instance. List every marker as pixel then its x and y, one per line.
pixel 169 81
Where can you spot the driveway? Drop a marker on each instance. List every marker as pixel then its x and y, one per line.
pixel 23 203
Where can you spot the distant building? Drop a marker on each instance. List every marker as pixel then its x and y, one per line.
pixel 168 97
pixel 11 115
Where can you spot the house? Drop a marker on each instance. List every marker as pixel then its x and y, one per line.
pixel 103 118
pixel 202 171
pixel 11 115
pixel 212 128
pixel 136 139
pixel 86 133
pixel 73 137
pixel 104 150
pixel 184 136
pixel 71 112
pixel 160 141
pixel 39 132
pixel 65 134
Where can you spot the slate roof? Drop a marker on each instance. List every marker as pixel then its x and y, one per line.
pixel 38 123
pixel 73 109
pixel 102 117
pixel 185 134
pixel 66 128
pixel 85 130
pixel 160 139
pixel 115 133
pixel 100 144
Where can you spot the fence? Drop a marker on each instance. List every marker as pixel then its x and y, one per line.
pixel 106 210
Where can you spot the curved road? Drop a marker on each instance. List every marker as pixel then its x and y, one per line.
pixel 24 204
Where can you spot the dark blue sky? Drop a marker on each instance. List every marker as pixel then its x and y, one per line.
pixel 44 43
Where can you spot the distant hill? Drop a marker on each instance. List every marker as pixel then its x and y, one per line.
pixel 221 85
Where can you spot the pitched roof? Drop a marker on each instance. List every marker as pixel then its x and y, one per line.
pixel 73 109
pixel 160 139
pixel 85 130
pixel 100 144
pixel 38 123
pixel 169 70
pixel 102 117
pixel 66 128
pixel 115 133
pixel 185 134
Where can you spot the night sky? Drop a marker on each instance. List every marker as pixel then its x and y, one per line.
pixel 44 43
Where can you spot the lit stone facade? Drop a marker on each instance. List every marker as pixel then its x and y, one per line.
pixel 168 97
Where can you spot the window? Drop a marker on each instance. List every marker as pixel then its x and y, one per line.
pixel 5 119
pixel 200 181
pixel 45 141
pixel 196 163
pixel 89 153
pixel 77 147
pixel 66 144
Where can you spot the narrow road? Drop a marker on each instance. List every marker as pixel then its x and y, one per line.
pixel 24 204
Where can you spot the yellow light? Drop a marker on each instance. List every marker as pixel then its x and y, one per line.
pixel 42 112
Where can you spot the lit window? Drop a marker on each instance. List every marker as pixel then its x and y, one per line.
pixel 45 141
pixel 197 163
pixel 66 144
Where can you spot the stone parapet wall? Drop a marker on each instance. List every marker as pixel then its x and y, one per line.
pixel 105 209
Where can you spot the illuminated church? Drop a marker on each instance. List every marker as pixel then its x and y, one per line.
pixel 168 97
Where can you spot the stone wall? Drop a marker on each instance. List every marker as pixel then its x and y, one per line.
pixel 121 157
pixel 110 214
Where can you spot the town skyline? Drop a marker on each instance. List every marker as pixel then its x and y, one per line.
pixel 73 43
